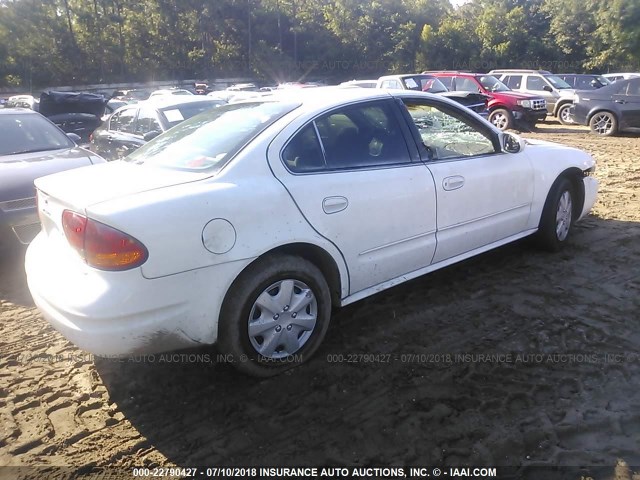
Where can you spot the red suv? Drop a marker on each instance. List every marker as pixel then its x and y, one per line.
pixel 506 107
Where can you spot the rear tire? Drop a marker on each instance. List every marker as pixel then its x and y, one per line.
pixel 557 216
pixel 604 123
pixel 275 315
pixel 501 118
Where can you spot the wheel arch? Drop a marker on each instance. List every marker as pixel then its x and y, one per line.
pixel 574 175
pixel 601 110
pixel 315 254
pixel 559 104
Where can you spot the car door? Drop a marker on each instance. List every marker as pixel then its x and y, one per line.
pixel 629 103
pixel 120 137
pixel 538 85
pixel 483 194
pixel 352 175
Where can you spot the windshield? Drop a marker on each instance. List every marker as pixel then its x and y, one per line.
pixel 208 140
pixel 424 83
pixel 492 84
pixel 557 82
pixel 178 113
pixel 26 133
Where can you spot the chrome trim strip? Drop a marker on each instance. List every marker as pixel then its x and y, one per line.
pixel 483 218
pixel 397 242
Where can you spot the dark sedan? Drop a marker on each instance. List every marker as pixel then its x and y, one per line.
pixel 30 147
pixel 609 109
pixel 132 126
pixel 584 81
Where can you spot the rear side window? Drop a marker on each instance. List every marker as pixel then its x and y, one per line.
pixel 358 136
pixel 513 81
pixel 634 87
pixel 147 122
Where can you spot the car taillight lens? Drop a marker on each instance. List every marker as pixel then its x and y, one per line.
pixel 101 246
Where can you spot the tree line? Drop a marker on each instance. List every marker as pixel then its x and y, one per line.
pixel 66 42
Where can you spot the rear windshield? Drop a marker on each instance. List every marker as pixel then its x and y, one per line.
pixel 27 133
pixel 206 141
pixel 177 113
pixel 424 83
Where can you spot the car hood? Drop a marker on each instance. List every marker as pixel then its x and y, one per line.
pixel 18 172
pixel 89 186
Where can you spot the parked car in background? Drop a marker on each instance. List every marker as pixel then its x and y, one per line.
pixel 22 101
pixel 609 109
pixel 112 106
pixel 614 77
pixel 30 147
pixel 420 82
pixel 584 81
pixel 133 125
pixel 506 107
pixel 360 83
pixel 260 221
pixel 79 113
pixel 170 91
pixel 552 88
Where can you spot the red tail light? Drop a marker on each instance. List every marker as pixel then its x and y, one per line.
pixel 101 246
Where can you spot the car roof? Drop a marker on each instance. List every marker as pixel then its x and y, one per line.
pixel 326 98
pixel 519 70
pixel 17 110
pixel 174 100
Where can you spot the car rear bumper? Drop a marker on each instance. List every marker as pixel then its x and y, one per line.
pixel 118 314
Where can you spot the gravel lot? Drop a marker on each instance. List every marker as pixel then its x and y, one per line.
pixel 516 358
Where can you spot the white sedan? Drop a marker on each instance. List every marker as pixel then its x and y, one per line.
pixel 244 226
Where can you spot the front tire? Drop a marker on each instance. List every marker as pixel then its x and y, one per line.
pixel 563 114
pixel 604 123
pixel 275 315
pixel 557 216
pixel 501 118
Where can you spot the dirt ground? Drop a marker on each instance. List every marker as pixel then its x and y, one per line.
pixel 514 358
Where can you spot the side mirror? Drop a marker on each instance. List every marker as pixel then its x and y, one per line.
pixel 75 137
pixel 151 135
pixel 511 143
pixel 547 88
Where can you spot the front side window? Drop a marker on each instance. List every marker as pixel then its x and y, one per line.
pixel 634 87
pixel 492 84
pixel 466 85
pixel 147 122
pixel 535 83
pixel 448 135
pixel 557 82
pixel 123 121
pixel 358 136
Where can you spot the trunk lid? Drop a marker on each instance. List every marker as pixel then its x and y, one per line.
pixel 82 188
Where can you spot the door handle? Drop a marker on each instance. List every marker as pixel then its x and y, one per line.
pixel 620 101
pixel 334 204
pixel 453 183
